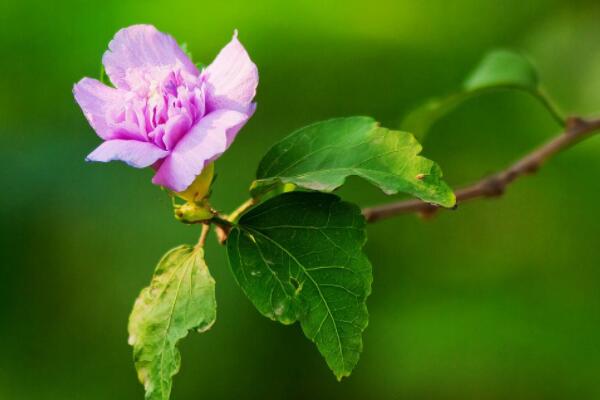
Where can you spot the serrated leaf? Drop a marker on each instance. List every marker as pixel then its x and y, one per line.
pixel 500 69
pixel 321 157
pixel 298 257
pixel 181 297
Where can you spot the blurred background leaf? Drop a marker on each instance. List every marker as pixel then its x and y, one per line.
pixel 498 70
pixel 498 300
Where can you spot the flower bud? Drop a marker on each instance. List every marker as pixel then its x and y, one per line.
pixel 192 212
pixel 197 208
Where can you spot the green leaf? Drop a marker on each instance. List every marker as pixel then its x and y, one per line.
pixel 180 297
pixel 321 157
pixel 503 68
pixel 500 69
pixel 298 257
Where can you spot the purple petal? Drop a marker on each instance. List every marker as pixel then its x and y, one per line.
pixel 141 46
pixel 231 79
pixel 177 126
pixel 95 98
pixel 233 131
pixel 206 141
pixel 135 153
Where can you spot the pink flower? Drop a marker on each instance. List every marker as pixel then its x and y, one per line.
pixel 163 111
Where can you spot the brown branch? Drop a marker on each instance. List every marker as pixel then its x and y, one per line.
pixel 577 129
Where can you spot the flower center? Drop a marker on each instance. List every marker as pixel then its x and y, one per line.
pixel 164 102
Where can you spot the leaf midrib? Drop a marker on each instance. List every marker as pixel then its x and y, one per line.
pixel 355 169
pixel 170 319
pixel 337 335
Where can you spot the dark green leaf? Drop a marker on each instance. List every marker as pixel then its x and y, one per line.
pixel 181 297
pixel 321 157
pixel 500 69
pixel 298 257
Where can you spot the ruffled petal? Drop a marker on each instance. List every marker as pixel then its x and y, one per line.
pixel 231 79
pixel 205 142
pixel 141 46
pixel 135 153
pixel 177 126
pixel 95 99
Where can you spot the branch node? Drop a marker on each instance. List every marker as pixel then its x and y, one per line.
pixel 428 212
pixel 575 125
pixel 495 185
pixel 576 130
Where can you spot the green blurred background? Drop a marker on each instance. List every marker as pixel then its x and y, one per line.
pixel 498 300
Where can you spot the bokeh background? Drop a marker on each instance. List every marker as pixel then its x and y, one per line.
pixel 497 300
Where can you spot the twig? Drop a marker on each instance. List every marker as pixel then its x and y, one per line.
pixel 577 129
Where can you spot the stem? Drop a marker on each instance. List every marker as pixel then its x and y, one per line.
pixel 224 223
pixel 240 210
pixel 576 130
pixel 203 234
pixel 222 228
pixel 551 107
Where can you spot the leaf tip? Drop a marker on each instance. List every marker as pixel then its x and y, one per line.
pixel 339 375
pixel 451 201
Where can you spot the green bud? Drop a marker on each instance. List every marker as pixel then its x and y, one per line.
pixel 193 212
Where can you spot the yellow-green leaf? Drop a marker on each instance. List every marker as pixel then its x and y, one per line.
pixel 181 297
